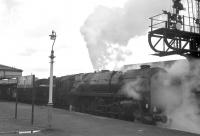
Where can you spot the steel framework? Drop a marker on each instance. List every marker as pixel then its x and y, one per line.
pixel 172 33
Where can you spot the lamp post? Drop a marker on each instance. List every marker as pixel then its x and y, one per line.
pixel 52 37
pixel 50 102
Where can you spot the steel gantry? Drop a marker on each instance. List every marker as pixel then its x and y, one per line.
pixel 172 33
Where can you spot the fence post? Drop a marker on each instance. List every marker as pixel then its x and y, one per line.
pixel 33 99
pixel 16 103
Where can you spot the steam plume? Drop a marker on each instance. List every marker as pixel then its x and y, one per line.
pixel 107 31
pixel 176 93
pixel 133 89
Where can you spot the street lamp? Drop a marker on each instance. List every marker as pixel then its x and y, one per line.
pixel 50 103
pixel 52 37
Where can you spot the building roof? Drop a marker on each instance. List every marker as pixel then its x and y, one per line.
pixel 7 68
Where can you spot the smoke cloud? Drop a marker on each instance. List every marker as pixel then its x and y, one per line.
pixel 176 93
pixel 107 31
pixel 132 89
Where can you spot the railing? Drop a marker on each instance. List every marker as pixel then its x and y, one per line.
pixel 173 21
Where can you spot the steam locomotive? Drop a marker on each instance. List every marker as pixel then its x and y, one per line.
pixel 123 95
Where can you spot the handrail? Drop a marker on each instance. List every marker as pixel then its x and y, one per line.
pixel 165 19
pixel 159 23
pixel 156 15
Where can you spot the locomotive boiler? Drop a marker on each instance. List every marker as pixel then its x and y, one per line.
pixel 122 95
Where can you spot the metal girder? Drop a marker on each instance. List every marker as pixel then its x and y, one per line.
pixel 172 33
pixel 174 42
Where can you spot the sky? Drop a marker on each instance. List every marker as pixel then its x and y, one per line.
pixel 91 34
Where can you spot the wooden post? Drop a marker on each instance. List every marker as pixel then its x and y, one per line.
pixel 33 100
pixel 16 103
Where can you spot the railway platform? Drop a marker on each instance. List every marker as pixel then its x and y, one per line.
pixel 65 123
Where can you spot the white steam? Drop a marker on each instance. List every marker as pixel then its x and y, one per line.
pixel 132 89
pixel 175 93
pixel 107 31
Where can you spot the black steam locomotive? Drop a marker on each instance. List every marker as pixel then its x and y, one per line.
pixel 123 95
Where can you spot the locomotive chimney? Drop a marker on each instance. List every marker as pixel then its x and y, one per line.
pixel 145 66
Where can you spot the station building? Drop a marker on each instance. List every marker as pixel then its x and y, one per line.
pixel 8 80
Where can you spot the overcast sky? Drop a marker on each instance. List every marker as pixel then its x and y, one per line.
pixel 91 34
